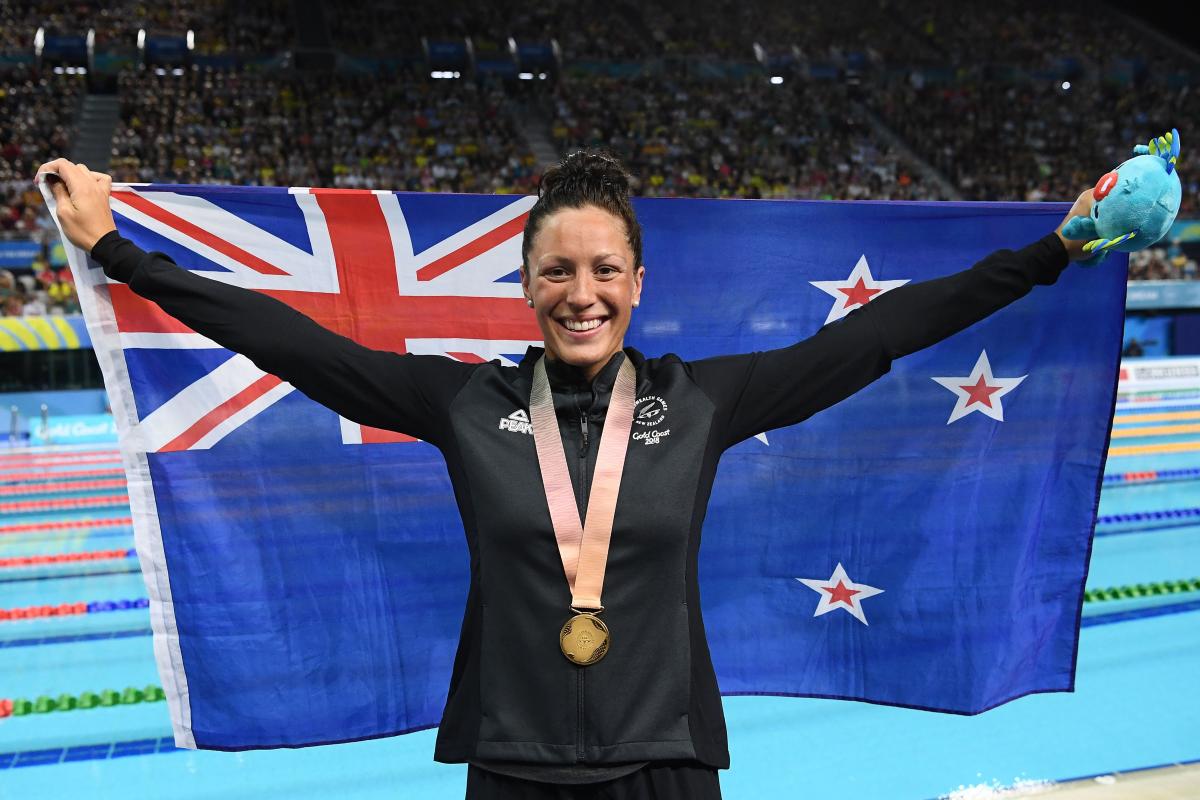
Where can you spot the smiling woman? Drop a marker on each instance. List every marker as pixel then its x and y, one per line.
pixel 583 260
pixel 626 700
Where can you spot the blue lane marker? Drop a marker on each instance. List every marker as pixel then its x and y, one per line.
pixel 62 575
pixel 1140 613
pixel 1158 526
pixel 37 758
pixel 37 641
pixel 87 752
pixel 141 747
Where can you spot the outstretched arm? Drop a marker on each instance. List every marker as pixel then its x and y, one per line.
pixel 772 389
pixel 406 393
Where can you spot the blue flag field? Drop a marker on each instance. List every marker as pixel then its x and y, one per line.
pixel 924 543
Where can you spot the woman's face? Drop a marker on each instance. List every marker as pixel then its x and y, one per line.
pixel 583 283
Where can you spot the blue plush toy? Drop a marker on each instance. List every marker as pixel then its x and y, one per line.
pixel 1136 203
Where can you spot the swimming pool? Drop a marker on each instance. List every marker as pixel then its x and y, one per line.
pixel 1135 703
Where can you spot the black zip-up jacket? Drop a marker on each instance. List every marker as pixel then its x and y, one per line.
pixel 513 697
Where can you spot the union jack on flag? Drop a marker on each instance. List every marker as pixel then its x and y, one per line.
pixel 348 261
pixel 923 543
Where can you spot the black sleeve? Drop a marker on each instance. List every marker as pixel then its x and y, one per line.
pixel 406 393
pixel 756 392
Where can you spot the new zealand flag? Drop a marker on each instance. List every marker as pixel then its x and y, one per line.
pixel 923 543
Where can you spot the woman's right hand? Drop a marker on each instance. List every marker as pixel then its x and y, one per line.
pixel 82 198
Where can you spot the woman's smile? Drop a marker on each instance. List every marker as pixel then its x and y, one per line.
pixel 582 327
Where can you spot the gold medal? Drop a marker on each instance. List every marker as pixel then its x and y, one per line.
pixel 584 639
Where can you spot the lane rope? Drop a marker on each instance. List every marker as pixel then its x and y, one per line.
pixel 1136 590
pixel 64 503
pixel 35 478
pixel 1153 475
pixel 1171 516
pixel 67 524
pixel 52 488
pixel 72 609
pixel 67 558
pixel 106 698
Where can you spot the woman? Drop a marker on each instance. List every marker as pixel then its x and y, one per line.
pixel 544 701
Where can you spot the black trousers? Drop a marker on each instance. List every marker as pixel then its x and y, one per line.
pixel 662 781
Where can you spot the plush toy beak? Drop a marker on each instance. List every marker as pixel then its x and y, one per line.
pixel 1104 185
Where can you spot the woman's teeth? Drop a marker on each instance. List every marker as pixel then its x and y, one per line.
pixel 580 326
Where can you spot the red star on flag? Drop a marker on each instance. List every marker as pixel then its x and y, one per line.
pixel 857 290
pixel 841 592
pixel 858 294
pixel 980 391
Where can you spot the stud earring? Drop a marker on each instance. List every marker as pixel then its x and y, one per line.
pixel 635 303
pixel 529 302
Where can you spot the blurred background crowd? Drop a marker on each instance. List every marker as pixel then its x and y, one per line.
pixel 862 99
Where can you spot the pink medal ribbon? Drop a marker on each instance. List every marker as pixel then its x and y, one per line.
pixel 583 546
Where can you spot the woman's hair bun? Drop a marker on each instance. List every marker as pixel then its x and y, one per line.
pixel 585 178
pixel 586 173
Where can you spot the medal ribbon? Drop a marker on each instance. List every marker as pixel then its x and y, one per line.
pixel 583 547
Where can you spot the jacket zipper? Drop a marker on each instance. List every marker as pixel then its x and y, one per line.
pixel 579 753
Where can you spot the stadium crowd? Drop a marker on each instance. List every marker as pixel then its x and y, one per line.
pixel 1072 35
pixel 1159 263
pixel 37 110
pixel 1021 140
pixel 38 291
pixel 704 138
pixel 852 113
pixel 282 128
pixel 261 26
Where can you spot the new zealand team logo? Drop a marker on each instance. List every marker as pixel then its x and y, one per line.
pixel 649 411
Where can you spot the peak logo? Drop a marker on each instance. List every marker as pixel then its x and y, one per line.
pixel 517 422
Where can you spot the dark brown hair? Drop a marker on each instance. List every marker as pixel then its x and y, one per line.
pixel 585 178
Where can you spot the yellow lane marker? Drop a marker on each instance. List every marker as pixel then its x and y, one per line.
pixel 1151 449
pixel 1155 430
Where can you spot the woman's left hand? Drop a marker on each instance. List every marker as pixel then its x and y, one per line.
pixel 1082 208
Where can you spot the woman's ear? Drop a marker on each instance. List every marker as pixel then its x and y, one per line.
pixel 637 285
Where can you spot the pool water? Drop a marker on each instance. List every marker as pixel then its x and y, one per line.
pixel 1135 704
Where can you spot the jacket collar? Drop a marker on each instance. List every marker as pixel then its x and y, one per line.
pixel 564 376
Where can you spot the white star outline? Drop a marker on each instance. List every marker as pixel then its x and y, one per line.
pixel 963 406
pixel 861 271
pixel 852 605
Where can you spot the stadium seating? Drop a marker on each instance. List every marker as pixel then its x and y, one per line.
pixel 861 99
pixel 37 111
pixel 401 131
pixel 741 138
